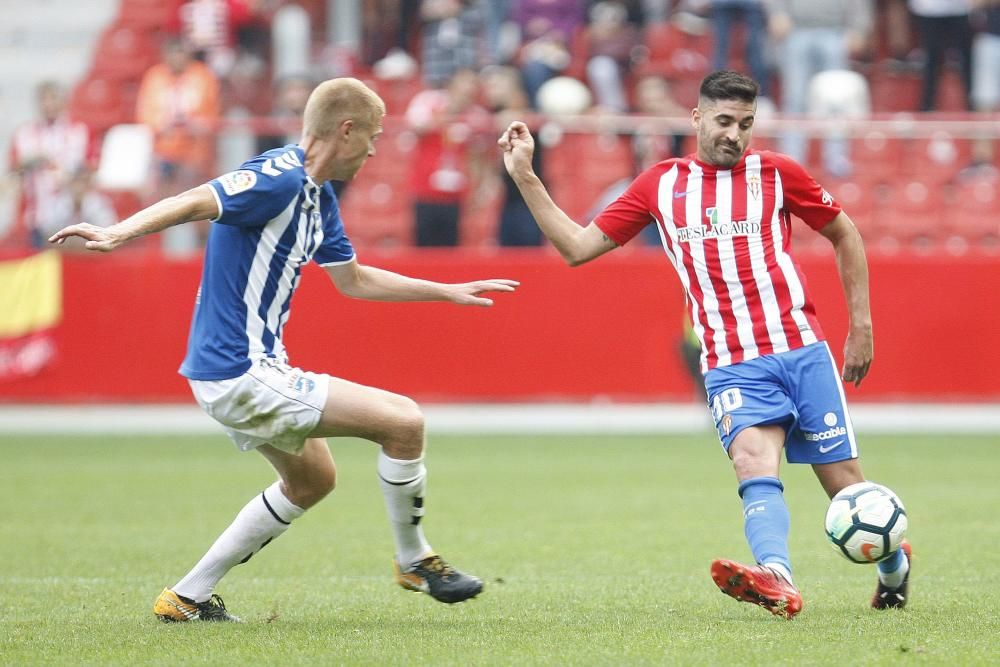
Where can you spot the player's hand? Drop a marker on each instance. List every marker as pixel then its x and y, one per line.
pixel 102 239
pixel 467 294
pixel 518 146
pixel 858 351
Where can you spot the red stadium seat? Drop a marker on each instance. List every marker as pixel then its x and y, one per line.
pixel 674 53
pixel 858 200
pixel 876 156
pixel 911 211
pixel 974 213
pixel 377 212
pixel 100 103
pixel 125 53
pixel 150 14
pixel 936 159
pixel 579 167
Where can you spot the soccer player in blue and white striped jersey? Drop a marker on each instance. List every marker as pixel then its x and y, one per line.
pixel 274 214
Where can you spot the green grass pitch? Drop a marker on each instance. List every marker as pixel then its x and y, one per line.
pixel 595 551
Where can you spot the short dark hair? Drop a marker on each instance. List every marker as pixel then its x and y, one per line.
pixel 726 84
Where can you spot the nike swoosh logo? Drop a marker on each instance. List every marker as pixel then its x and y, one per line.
pixel 678 195
pixel 824 450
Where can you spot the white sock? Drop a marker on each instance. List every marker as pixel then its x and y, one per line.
pixel 402 484
pixel 895 578
pixel 780 569
pixel 265 517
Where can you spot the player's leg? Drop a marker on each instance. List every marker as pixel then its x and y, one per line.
pixel 305 479
pixel 756 454
pixel 396 424
pixel 751 409
pixel 824 437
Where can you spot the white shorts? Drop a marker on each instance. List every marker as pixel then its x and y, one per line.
pixel 271 404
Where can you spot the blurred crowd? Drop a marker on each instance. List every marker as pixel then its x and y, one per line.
pixel 194 83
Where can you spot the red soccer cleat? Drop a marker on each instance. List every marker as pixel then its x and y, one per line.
pixel 759 585
pixel 894 598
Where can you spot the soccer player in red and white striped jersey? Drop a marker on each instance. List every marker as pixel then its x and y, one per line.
pixel 724 215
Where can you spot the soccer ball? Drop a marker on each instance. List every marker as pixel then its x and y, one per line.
pixel 866 522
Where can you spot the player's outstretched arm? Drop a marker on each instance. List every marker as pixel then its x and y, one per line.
pixel 373 284
pixel 195 204
pixel 853 268
pixel 576 244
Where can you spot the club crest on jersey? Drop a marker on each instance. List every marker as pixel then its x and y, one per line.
pixel 753 185
pixel 301 384
pixel 716 229
pixel 236 182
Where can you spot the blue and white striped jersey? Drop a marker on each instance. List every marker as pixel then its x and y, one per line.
pixel 273 219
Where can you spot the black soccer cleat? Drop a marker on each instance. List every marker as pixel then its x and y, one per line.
pixel 441 581
pixel 894 598
pixel 172 608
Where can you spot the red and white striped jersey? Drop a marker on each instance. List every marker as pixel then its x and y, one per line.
pixel 728 234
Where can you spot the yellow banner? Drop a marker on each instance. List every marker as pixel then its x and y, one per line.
pixel 30 294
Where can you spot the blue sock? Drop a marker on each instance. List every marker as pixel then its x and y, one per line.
pixel 766 520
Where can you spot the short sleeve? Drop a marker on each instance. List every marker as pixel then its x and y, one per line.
pixel 803 196
pixel 631 212
pixel 336 248
pixel 250 197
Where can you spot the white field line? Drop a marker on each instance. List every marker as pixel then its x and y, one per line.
pixel 525 418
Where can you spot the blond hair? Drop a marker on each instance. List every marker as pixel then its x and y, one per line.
pixel 336 100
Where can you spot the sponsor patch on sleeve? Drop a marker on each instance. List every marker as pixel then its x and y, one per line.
pixel 236 182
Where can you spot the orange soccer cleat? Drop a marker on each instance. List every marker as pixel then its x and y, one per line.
pixel 757 584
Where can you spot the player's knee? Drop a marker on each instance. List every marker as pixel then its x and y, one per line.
pixel 308 489
pixel 407 437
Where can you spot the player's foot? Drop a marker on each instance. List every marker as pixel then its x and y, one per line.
pixel 759 585
pixel 894 598
pixel 439 580
pixel 171 607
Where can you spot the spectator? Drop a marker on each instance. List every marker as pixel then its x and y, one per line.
pixel 815 37
pixel 179 100
pixel 986 58
pixel 506 97
pixel 447 161
pixel 986 80
pixel 76 203
pixel 223 32
pixel 725 14
pixel 291 94
pixel 610 40
pixel 547 28
pixel 45 153
pixel 649 146
pixel 452 39
pixel 390 37
pixel 944 25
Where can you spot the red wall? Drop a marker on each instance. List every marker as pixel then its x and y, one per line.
pixel 608 329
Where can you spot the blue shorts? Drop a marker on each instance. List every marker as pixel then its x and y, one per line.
pixel 798 390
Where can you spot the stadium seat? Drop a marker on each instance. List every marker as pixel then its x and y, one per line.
pixel 99 102
pixel 974 213
pixel 858 200
pixel 876 156
pixel 911 211
pixel 936 159
pixel 377 212
pixel 579 167
pixel 125 53
pixel 149 14
pixel 673 53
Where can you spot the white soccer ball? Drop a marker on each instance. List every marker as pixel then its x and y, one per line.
pixel 866 522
